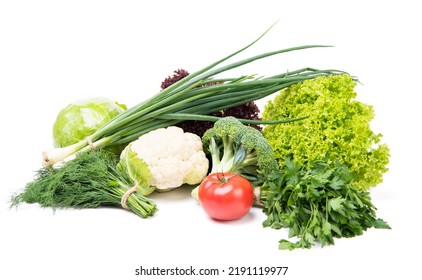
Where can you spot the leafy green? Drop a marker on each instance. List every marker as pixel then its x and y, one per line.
pixel 91 180
pixel 317 204
pixel 137 169
pixel 337 127
pixel 81 118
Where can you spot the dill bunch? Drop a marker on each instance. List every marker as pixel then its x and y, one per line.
pixel 91 180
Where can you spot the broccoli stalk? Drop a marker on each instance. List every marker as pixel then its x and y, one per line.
pixel 236 148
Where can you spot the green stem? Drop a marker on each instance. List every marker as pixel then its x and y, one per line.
pixel 136 202
pixel 196 117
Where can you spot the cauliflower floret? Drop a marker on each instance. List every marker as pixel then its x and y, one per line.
pixel 165 158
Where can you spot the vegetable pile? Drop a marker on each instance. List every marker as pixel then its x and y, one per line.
pixel 310 168
pixel 190 99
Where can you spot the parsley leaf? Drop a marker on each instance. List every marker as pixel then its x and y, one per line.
pixel 317 204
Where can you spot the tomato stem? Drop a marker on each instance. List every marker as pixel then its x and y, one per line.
pixel 222 178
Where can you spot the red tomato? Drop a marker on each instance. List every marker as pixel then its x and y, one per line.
pixel 226 196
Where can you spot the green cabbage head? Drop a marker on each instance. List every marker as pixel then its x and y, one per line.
pixel 82 118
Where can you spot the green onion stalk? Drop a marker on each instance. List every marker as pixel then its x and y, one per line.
pixel 189 99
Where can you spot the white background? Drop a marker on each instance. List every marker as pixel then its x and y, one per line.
pixel 54 52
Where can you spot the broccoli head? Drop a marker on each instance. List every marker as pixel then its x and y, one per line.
pixel 237 148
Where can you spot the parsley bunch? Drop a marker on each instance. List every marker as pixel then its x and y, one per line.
pixel 317 204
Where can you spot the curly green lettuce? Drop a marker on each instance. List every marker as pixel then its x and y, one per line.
pixel 337 128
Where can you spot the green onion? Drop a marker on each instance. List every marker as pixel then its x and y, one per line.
pixel 187 99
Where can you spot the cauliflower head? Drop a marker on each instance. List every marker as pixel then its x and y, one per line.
pixel 164 159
